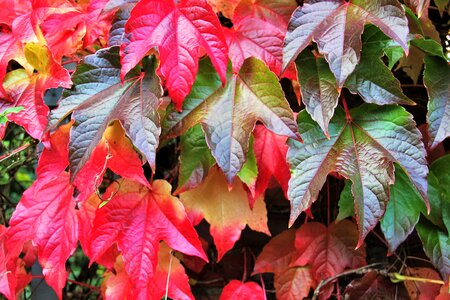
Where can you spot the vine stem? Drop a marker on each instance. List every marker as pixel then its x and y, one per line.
pixel 72 281
pixel 15 151
pixel 168 275
pixel 347 112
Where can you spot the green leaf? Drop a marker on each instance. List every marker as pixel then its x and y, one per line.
pixel 195 159
pixel 4 114
pixel 436 244
pixel 249 171
pixel 346 206
pixel 372 79
pixel 318 86
pixel 437 81
pixel 428 46
pixel 99 97
pixel 336 27
pixel 362 147
pixel 228 114
pixel 441 5
pixel 402 212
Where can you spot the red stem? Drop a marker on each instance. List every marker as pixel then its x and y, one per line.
pixel 347 112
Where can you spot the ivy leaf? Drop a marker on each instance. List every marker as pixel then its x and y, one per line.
pixel 436 246
pixel 178 30
pixel 98 97
pixel 320 93
pixel 227 211
pixel 371 79
pixel 130 218
pixel 294 283
pixel 328 251
pixel 117 30
pixel 402 211
pixel 236 289
pixel 437 84
pixel 362 147
pixel 223 112
pixel 336 27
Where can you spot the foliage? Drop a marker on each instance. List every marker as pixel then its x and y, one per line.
pixel 181 120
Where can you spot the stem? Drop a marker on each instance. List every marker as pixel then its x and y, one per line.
pixel 15 151
pixel 347 112
pixel 396 277
pixel 244 276
pixel 168 276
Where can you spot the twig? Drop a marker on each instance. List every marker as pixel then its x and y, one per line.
pixel 15 151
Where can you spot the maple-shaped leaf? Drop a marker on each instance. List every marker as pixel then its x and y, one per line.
pixel 328 251
pixel 402 211
pixel 437 83
pixel 372 79
pixel 336 26
pixel 98 97
pixel 318 88
pixel 373 286
pixel 270 165
pixel 227 211
pixel 224 112
pixel 362 147
pixel 28 91
pixel 178 29
pixel 115 152
pixel 46 215
pixel 259 27
pixel 137 218
pixel 236 289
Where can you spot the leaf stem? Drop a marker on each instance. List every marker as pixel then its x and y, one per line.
pixel 168 275
pixel 396 277
pixel 347 112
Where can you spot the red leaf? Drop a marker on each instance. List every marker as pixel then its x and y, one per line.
pixel 178 31
pixel 270 165
pixel 236 289
pixel 328 251
pixel 46 215
pixel 294 283
pixel 422 290
pixel 137 219
pixel 374 286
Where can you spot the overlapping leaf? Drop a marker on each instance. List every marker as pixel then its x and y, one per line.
pixel 372 286
pixel 336 27
pixel 228 115
pixel 137 218
pixel 98 97
pixel 236 289
pixel 362 147
pixel 227 211
pixel 178 30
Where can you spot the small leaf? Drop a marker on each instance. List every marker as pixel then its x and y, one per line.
pixel 363 150
pixel 223 112
pixel 236 289
pixel 437 84
pixel 227 211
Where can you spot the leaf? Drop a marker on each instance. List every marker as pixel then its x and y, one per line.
pixel 117 31
pixel 46 215
pixel 195 159
pixel 273 165
pixel 226 7
pixel 227 211
pixel 422 290
pixel 277 254
pixel 437 84
pixel 294 283
pixel 178 30
pixel 328 251
pixel 223 112
pixel 420 7
pixel 441 5
pixel 336 27
pixel 137 218
pixel 318 87
pixel 98 97
pixel 117 285
pixel 436 246
pixel 402 211
pixel 4 114
pixel 372 286
pixel 346 206
pixel 236 289
pixel 276 12
pixel 371 79
pixel 362 147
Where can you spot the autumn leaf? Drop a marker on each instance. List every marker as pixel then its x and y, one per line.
pixel 137 218
pixel 98 97
pixel 373 286
pixel 117 285
pixel 227 211
pixel 362 147
pixel 294 283
pixel 178 30
pixel 422 290
pixel 223 112
pixel 336 27
pixel 236 289
pixel 328 251
pixel 226 7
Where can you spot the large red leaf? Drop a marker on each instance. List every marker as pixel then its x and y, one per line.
pixel 46 215
pixel 227 210
pixel 178 30
pixel 328 251
pixel 336 26
pixel 236 289
pixel 137 218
